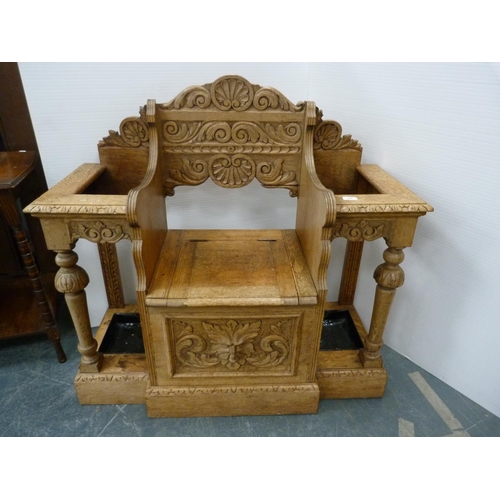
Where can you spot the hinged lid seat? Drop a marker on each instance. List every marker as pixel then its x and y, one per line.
pixel 231 268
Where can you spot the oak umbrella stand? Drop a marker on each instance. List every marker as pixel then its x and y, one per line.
pixel 229 322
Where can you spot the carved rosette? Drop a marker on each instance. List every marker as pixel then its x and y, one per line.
pixel 362 231
pixel 328 136
pixel 233 345
pixel 232 93
pixel 97 232
pixel 133 134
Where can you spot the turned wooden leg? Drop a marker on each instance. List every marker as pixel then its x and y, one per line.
pixel 388 276
pixel 28 258
pixel 71 280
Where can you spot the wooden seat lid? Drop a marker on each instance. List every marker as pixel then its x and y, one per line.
pixel 231 267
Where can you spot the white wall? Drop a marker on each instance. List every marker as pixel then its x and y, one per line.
pixel 435 127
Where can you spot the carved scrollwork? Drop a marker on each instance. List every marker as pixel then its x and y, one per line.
pixel 328 135
pixel 238 133
pixel 195 96
pixel 232 93
pixel 231 171
pixel 191 173
pixel 364 230
pixel 232 345
pixel 97 232
pixel 270 98
pixel 272 175
pixel 133 134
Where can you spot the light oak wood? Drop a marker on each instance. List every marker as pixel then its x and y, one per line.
pixel 111 274
pixel 218 400
pixel 231 320
pixel 71 280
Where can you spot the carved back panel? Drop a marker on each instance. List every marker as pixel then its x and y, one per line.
pixel 231 132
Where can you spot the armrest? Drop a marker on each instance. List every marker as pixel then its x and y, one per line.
pixel 392 196
pixel 383 182
pixel 76 182
pixel 316 210
pixel 146 212
pixel 66 196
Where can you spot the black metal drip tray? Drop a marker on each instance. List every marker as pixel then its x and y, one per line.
pixel 124 335
pixel 339 332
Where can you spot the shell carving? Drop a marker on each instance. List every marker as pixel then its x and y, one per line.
pixel 232 93
pixel 328 135
pixel 232 171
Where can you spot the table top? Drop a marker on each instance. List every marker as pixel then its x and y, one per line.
pixel 14 167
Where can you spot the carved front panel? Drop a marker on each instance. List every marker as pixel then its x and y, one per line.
pixel 233 346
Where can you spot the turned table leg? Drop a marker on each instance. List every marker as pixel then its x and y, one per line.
pixel 71 280
pixel 388 276
pixel 24 247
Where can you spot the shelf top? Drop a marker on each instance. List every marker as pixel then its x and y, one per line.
pixel 14 167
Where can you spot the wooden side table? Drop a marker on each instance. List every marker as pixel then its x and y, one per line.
pixel 24 302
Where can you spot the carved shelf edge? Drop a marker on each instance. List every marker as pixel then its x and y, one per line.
pixel 81 204
pixel 75 209
pixel 393 203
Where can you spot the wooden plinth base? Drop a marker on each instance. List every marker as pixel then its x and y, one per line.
pixel 124 379
pixel 341 374
pixel 232 400
pixel 346 383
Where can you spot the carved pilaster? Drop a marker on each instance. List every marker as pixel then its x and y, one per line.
pixel 71 280
pixel 111 273
pixel 388 276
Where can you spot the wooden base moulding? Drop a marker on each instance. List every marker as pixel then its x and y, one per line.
pixel 124 379
pixel 217 400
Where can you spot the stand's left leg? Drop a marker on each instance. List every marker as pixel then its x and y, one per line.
pixel 388 276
